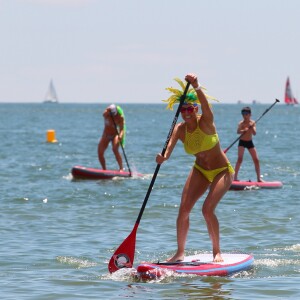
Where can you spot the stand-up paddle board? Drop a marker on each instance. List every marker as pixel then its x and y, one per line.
pixel 80 172
pixel 199 264
pixel 244 185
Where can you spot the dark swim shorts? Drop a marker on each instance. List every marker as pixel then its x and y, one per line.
pixel 246 144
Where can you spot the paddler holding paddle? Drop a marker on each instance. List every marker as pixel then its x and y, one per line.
pixel 247 128
pixel 114 132
pixel 212 169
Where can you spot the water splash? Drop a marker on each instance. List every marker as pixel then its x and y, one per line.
pixel 76 262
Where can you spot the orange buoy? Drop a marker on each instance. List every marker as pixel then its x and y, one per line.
pixel 51 136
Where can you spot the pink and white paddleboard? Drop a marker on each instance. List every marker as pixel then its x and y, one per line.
pixel 199 264
pixel 244 185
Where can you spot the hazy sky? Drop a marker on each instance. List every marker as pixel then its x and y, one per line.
pixel 130 50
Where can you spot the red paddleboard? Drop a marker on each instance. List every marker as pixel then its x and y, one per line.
pixel 199 264
pixel 80 172
pixel 245 185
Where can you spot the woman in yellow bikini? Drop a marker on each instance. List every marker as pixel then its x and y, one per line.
pixel 211 170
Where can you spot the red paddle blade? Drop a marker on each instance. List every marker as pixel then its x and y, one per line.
pixel 124 255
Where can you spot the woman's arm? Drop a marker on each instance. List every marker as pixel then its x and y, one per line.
pixel 207 114
pixel 105 113
pixel 173 140
pixel 120 124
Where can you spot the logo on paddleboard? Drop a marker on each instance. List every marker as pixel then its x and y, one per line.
pixel 122 261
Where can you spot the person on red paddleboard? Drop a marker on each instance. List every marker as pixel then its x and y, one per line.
pixel 247 128
pixel 113 117
pixel 212 169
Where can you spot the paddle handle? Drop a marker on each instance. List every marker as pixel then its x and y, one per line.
pixel 163 152
pixel 276 101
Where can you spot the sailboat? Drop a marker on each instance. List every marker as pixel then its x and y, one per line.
pixel 51 96
pixel 288 96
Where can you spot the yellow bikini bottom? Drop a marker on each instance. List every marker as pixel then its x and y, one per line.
pixel 211 174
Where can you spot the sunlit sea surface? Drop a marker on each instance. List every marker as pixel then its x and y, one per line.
pixel 57 234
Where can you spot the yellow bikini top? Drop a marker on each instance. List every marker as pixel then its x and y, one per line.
pixel 198 141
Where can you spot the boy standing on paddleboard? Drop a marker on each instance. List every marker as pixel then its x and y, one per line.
pixel 114 132
pixel 247 128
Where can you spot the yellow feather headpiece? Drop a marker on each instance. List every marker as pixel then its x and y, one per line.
pixel 191 96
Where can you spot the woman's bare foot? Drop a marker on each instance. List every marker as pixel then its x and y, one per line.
pixel 218 258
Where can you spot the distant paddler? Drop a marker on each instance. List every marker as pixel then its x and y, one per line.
pixel 114 131
pixel 247 128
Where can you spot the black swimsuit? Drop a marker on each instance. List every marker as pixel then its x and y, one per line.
pixel 246 144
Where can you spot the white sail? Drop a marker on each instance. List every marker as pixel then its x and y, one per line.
pixel 51 95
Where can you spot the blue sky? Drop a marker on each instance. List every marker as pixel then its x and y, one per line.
pixel 126 51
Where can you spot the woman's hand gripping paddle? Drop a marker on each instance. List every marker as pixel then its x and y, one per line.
pixel 124 255
pixel 250 126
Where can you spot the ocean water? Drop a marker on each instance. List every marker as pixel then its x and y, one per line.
pixel 58 234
